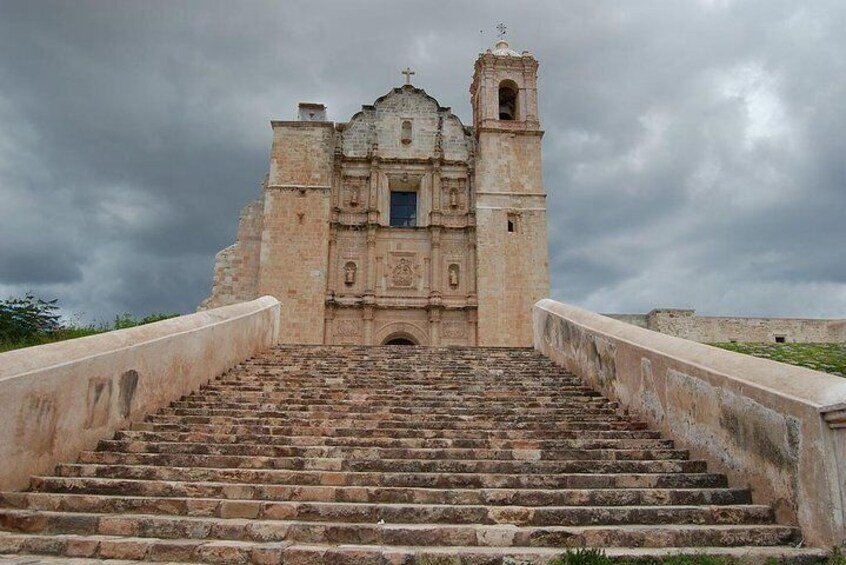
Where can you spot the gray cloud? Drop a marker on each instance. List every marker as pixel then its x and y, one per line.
pixel 693 151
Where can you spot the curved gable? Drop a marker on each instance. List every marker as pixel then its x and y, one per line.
pixel 406 123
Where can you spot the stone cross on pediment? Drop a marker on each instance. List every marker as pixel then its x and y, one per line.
pixel 408 72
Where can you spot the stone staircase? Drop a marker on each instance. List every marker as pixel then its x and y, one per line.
pixel 400 455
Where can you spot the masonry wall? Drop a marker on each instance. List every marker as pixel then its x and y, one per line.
pixel 236 268
pixel 295 235
pixel 778 429
pixel 59 399
pixel 513 267
pixel 717 329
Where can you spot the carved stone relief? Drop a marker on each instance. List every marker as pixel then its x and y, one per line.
pixel 354 193
pixel 402 275
pixel 454 249
pixel 348 331
pixel 454 330
pixel 454 195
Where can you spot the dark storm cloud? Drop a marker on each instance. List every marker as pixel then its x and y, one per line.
pixel 693 150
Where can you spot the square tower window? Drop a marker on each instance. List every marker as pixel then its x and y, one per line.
pixel 403 209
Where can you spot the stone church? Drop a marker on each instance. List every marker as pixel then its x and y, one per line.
pixel 402 225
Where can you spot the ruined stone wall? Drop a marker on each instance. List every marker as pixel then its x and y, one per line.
pixel 779 429
pixel 236 268
pixel 638 320
pixel 717 329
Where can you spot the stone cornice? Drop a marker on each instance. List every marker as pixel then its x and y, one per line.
pixel 300 187
pixel 300 124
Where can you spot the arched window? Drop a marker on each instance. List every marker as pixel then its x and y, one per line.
pixel 508 100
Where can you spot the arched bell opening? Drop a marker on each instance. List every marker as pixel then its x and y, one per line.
pixel 508 100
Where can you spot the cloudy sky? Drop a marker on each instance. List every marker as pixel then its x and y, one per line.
pixel 694 156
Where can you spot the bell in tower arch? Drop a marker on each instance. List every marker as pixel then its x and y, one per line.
pixel 508 100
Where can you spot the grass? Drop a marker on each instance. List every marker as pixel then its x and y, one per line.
pixel 590 556
pixel 122 321
pixel 59 335
pixel 826 357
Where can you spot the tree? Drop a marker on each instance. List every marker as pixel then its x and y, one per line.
pixel 28 317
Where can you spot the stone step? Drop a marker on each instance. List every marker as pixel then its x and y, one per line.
pixel 474 395
pixel 421 398
pixel 361 410
pixel 357 455
pixel 457 496
pixel 433 480
pixel 301 416
pixel 489 466
pixel 264 450
pixel 576 424
pixel 95 548
pixel 391 513
pixel 186 527
pixel 402 443
pixel 522 434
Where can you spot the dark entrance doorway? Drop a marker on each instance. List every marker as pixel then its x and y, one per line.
pixel 399 341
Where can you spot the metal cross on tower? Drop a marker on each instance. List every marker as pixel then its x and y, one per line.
pixel 408 72
pixel 501 27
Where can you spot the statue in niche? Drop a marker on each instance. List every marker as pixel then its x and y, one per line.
pixel 453 197
pixel 453 275
pixel 354 197
pixel 405 135
pixel 349 273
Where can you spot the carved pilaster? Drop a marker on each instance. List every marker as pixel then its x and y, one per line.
pixel 328 325
pixel 471 264
pixel 370 283
pixel 435 325
pixel 472 326
pixel 368 325
pixel 373 200
pixel 435 265
pixel 437 199
pixel 333 263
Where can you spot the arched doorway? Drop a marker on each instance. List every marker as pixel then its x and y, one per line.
pixel 399 339
pixel 400 333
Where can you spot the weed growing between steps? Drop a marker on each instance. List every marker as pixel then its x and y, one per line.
pixel 825 357
pixel 590 556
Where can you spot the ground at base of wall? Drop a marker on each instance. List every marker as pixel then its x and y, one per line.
pixel 589 556
pixel 825 357
pixel 582 556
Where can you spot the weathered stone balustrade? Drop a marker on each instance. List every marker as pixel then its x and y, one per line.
pixel 777 428
pixel 59 399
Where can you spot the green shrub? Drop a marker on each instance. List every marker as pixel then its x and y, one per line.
pixel 29 321
pixel 22 319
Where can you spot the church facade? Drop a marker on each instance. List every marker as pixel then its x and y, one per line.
pixel 402 225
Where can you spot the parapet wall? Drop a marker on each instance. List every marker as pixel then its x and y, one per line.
pixel 686 324
pixel 779 429
pixel 59 399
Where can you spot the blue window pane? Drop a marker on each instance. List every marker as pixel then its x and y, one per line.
pixel 403 209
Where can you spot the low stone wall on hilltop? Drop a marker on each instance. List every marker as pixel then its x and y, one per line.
pixel 777 428
pixel 59 399
pixel 684 323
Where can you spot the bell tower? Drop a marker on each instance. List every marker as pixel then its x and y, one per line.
pixel 511 232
